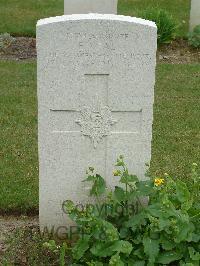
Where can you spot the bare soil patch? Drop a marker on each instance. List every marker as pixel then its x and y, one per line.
pixel 9 224
pixel 178 52
pixel 22 48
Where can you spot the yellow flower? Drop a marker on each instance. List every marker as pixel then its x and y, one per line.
pixel 117 173
pixel 159 181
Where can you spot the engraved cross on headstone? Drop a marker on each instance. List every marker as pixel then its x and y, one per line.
pixel 95 118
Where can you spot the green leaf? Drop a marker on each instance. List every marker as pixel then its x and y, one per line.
pixel 62 254
pixel 119 194
pixel 139 253
pixel 124 178
pixel 90 178
pixel 106 249
pixel 187 205
pixel 167 244
pixel 133 262
pixel 97 263
pixel 135 221
pixel 81 247
pixel 132 178
pixel 145 188
pixel 51 245
pixel 124 247
pixel 98 187
pixel 68 207
pixel 156 210
pixel 168 257
pixel 163 223
pixel 151 248
pixel 195 237
pixel 102 249
pixel 182 191
pixel 189 264
pixel 99 184
pixel 108 231
pixel 185 231
pixel 194 255
pixel 124 232
pixel 116 261
pixel 91 263
pixel 127 178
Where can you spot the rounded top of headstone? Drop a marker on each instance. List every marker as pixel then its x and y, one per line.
pixel 91 16
pixel 90 6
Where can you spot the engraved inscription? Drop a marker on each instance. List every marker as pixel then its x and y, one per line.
pixel 96 124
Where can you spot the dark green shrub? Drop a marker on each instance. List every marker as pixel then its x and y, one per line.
pixel 194 37
pixel 166 25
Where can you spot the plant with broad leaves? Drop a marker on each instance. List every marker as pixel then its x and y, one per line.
pixel 122 229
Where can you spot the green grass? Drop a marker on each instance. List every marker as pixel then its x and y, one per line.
pixel 176 135
pixel 18 141
pixel 19 17
pixel 179 9
pixel 176 132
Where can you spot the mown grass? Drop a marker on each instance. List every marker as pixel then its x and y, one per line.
pixel 19 17
pixel 18 137
pixel 179 9
pixel 176 131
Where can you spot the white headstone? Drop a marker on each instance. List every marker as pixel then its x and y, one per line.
pixel 96 77
pixel 90 6
pixel 194 14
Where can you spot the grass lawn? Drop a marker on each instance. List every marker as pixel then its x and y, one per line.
pixel 18 142
pixel 176 133
pixel 176 130
pixel 19 17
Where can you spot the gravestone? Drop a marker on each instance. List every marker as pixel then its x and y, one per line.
pixel 194 14
pixel 90 6
pixel 96 77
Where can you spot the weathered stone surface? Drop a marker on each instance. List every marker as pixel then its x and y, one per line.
pixel 96 77
pixel 194 14
pixel 90 6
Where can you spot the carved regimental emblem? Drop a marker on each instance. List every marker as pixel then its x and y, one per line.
pixel 96 125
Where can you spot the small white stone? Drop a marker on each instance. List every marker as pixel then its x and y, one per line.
pixel 90 6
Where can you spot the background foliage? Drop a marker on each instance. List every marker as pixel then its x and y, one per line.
pixel 19 17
